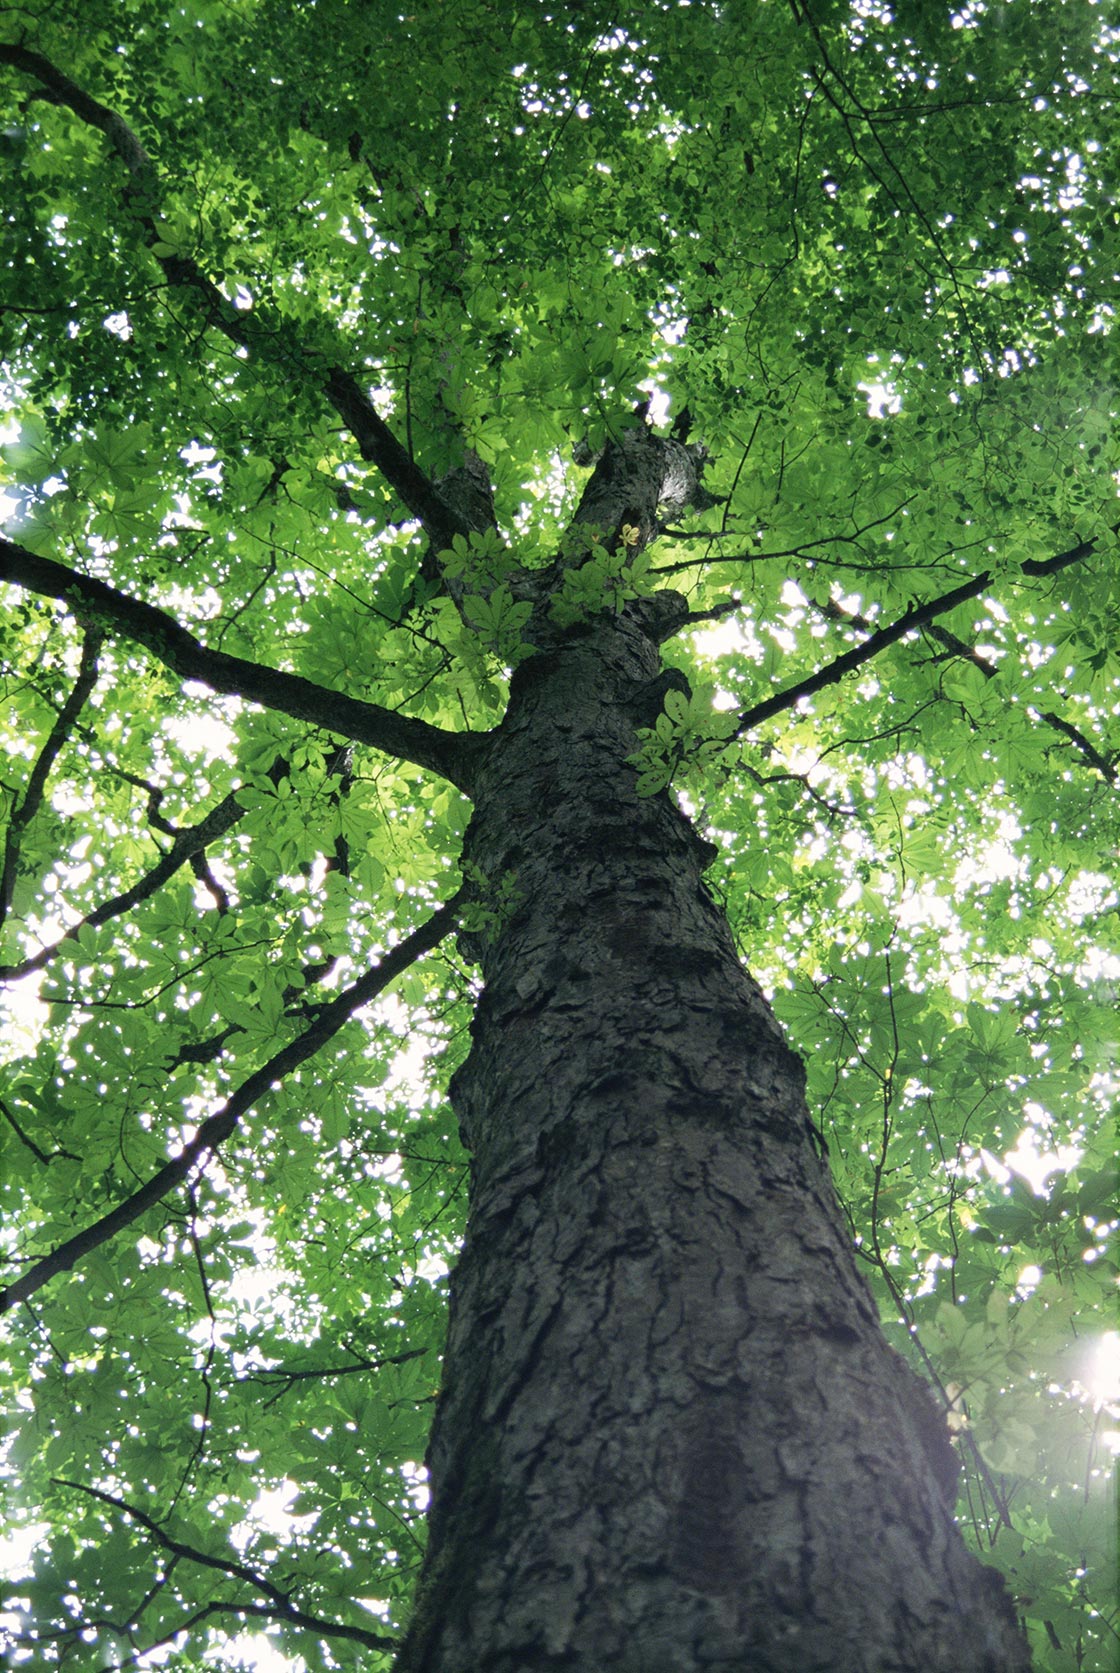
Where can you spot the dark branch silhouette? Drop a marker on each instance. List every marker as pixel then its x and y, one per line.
pixel 882 637
pixel 187 846
pixel 48 755
pixel 956 647
pixel 269 336
pixel 219 1126
pixel 283 1379
pixel 281 1606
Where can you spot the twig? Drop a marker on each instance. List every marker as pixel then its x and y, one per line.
pixel 43 1156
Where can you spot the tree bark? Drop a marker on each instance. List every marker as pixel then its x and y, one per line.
pixel 671 1436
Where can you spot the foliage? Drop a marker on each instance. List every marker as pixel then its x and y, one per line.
pixel 871 261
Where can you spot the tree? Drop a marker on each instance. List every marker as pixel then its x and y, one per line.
pixel 515 515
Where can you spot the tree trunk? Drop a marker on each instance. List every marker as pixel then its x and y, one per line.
pixel 671 1435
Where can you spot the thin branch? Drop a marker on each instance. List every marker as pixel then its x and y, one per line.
pixel 709 534
pixel 203 1419
pixel 44 1156
pixel 923 218
pixel 283 1609
pixel 833 611
pixel 37 782
pixel 288 1379
pixel 187 1624
pixel 685 564
pixel 833 809
pixel 807 549
pixel 967 653
pixel 317 1623
pixel 271 338
pixel 219 1126
pixel 297 1007
pixel 878 641
pixel 835 671
pixel 1092 755
pixel 223 1565
pixel 447 753
pixel 749 443
pixel 188 845
pixel 957 647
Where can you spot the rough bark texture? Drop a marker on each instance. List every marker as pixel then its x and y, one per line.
pixel 637 477
pixel 671 1435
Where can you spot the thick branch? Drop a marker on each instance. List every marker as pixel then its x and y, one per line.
pixel 282 1609
pixel 447 753
pixel 219 1126
pixel 377 443
pixel 1061 560
pixel 271 337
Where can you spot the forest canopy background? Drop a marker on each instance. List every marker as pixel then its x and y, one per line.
pixel 270 272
